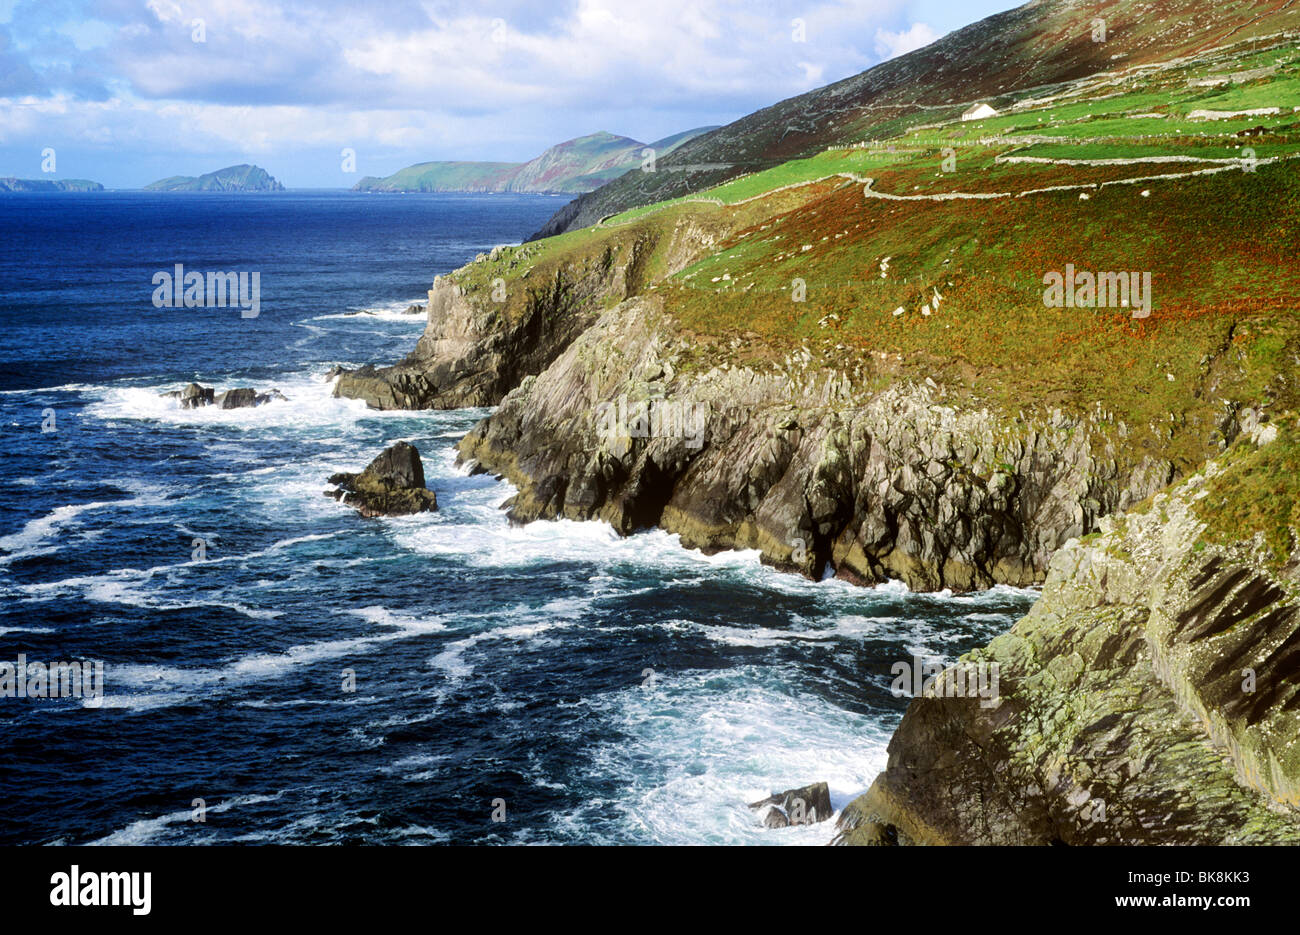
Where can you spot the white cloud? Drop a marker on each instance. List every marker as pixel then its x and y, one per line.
pixel 893 44
pixel 440 80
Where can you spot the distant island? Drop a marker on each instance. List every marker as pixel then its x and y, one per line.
pixel 241 178
pixel 10 184
pixel 573 167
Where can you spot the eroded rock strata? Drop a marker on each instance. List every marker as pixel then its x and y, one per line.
pixel 1150 697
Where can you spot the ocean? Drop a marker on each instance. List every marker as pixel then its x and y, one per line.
pixel 305 675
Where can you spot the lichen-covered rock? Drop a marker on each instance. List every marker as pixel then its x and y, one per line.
pixel 1149 697
pixel 391 485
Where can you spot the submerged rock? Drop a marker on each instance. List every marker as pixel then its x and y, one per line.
pixel 803 806
pixel 391 485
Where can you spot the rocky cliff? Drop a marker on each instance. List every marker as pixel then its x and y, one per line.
pixel 1149 697
pixel 510 313
pixel 798 462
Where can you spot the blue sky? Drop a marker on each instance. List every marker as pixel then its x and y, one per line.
pixel 128 91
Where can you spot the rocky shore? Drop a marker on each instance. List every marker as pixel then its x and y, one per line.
pixel 1122 716
pixel 799 463
pixel 1148 698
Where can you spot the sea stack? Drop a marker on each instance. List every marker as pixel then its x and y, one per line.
pixel 391 485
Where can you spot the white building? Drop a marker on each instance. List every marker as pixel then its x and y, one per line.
pixel 979 112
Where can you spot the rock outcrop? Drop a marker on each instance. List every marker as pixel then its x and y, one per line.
pixel 196 396
pixel 239 398
pixel 1150 697
pixel 484 337
pixel 470 354
pixel 803 806
pixel 192 396
pixel 798 463
pixel 391 485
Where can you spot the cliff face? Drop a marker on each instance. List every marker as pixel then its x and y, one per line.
pixel 471 352
pixel 509 314
pixel 1149 697
pixel 798 462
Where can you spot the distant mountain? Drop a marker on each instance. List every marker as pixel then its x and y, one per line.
pixel 1040 44
pixel 9 184
pixel 241 178
pixel 571 167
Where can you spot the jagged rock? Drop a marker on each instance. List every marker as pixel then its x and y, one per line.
pixel 192 396
pixel 239 398
pixel 195 396
pixel 1148 698
pixel 775 818
pixel 805 805
pixel 872 485
pixel 391 485
pixel 414 310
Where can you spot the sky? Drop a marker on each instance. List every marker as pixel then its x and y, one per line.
pixel 125 92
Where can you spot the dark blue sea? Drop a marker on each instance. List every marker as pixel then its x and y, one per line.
pixel 585 688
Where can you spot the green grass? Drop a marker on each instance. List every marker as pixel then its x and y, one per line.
pixel 1256 493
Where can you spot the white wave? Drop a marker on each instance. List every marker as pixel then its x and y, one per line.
pixel 309 404
pixel 31 539
pixel 160 685
pixel 62 388
pixel 452 658
pixel 385 311
pixel 148 830
pixel 697 748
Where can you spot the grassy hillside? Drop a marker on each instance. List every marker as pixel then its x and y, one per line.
pixel 800 249
pixel 443 177
pixel 1040 47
